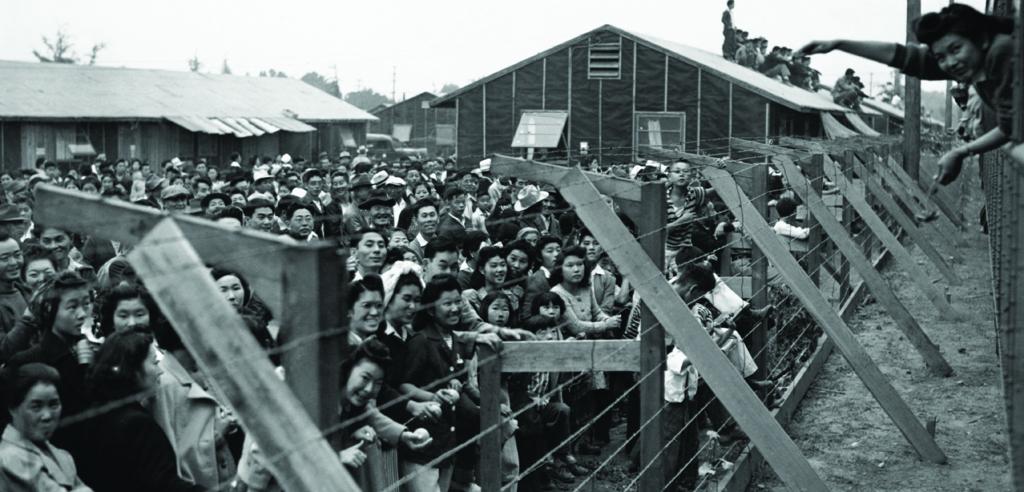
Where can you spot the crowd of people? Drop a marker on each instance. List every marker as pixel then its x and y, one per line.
pixel 102 394
pixel 780 63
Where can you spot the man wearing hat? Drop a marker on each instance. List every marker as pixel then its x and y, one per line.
pixel 263 182
pixel 12 223
pixel 361 188
pixel 174 199
pixel 154 186
pixel 344 160
pixel 377 211
pixel 395 189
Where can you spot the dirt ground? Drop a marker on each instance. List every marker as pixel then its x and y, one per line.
pixel 850 441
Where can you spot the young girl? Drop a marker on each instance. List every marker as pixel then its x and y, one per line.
pixel 436 358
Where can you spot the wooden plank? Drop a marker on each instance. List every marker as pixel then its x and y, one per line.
pixel 879 287
pixel 909 226
pixel 651 232
pixel 311 329
pixel 245 251
pixel 834 326
pixel 758 337
pixel 489 379
pixel 742 285
pixel 890 242
pixel 903 193
pixel 915 188
pixel 813 185
pixel 751 460
pixel 229 356
pixel 730 388
pixel 571 356
pixel 625 192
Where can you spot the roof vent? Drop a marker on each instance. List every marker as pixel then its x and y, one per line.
pixel 605 61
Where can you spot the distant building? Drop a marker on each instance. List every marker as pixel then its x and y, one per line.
pixel 69 113
pixel 610 94
pixel 416 124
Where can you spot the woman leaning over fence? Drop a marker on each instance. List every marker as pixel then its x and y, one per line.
pixel 961 44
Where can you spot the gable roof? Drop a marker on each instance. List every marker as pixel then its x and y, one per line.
pixel 786 95
pixel 426 95
pixel 54 90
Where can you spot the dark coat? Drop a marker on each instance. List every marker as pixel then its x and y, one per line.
pixel 126 451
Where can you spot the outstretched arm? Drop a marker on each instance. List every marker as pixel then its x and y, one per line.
pixel 881 52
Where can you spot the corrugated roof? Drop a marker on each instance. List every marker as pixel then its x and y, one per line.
pixel 787 95
pixel 53 90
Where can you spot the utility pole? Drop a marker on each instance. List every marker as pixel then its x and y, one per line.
pixel 337 81
pixel 949 100
pixel 394 76
pixel 912 104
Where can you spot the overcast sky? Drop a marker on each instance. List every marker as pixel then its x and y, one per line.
pixel 427 43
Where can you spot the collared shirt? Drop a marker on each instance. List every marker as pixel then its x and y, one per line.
pixel 26 467
pixel 392 331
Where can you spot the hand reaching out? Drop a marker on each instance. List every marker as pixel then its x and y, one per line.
pixel 817 47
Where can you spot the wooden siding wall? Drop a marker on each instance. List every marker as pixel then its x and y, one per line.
pixel 156 142
pixel 601 112
pixel 424 122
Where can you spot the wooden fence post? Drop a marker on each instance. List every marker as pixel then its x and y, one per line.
pixel 826 317
pixel 844 266
pixel 814 171
pixel 651 229
pixel 721 376
pixel 759 275
pixel 312 335
pixel 489 378
pixel 297 454
pixel 872 278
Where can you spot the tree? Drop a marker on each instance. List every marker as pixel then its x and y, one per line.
pixel 366 99
pixel 224 68
pixel 194 64
pixel 94 51
pixel 273 73
pixel 328 85
pixel 61 49
pixel 449 88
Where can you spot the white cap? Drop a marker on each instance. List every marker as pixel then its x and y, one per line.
pixel 298 192
pixel 285 158
pixel 394 180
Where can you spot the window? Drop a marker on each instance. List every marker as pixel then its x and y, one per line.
pixel 540 129
pixel 664 131
pixel 604 61
pixel 348 138
pixel 445 134
pixel 402 133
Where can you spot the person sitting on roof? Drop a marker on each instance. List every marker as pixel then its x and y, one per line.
pixel 845 91
pixel 776 66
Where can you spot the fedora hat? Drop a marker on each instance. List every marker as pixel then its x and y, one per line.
pixel 528 197
pixel 377 197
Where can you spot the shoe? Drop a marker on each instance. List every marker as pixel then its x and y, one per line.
pixel 588 448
